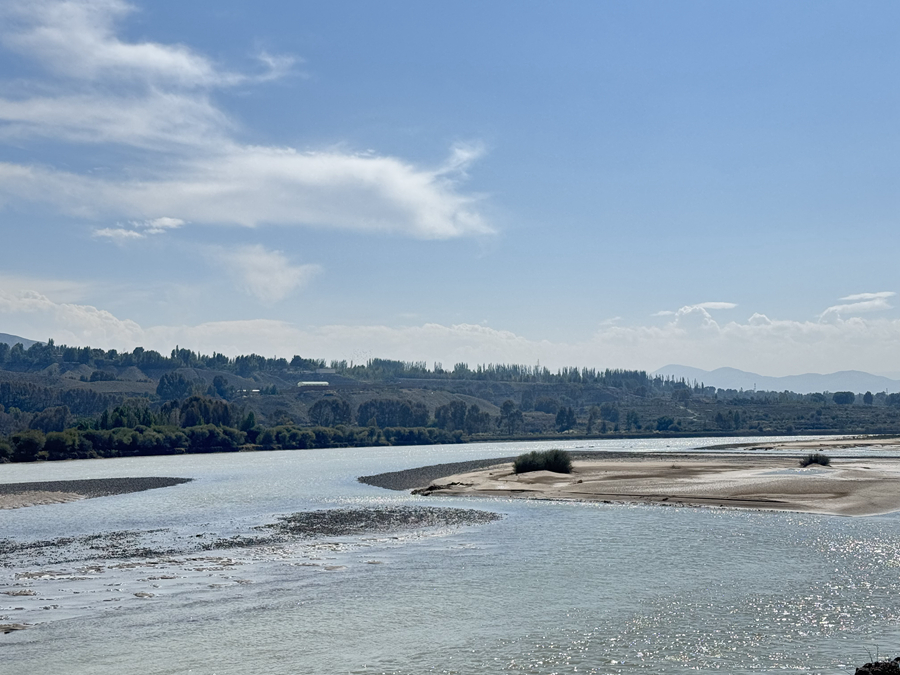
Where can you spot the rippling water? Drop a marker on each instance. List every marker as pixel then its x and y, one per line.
pixel 551 588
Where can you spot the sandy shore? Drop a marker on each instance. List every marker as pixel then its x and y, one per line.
pixel 18 495
pixel 823 444
pixel 850 487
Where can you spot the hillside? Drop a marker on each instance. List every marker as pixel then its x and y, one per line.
pixel 106 403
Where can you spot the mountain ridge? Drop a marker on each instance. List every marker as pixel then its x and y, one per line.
pixel 15 339
pixel 856 381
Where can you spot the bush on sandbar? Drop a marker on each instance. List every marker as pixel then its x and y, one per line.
pixel 816 458
pixel 548 460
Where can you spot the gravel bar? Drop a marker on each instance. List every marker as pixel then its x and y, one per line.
pixel 378 520
pixel 93 487
pixel 424 475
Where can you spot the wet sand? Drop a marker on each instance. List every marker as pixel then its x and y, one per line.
pixel 849 487
pixel 19 495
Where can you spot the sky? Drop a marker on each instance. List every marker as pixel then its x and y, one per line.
pixel 593 184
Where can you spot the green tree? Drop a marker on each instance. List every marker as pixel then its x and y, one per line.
pixel 511 418
pixel 330 411
pixel 633 420
pixel 610 412
pixel 173 386
pixel 868 398
pixel 451 416
pixel 51 419
pixel 592 419
pixel 27 445
pixel 664 423
pixel 565 419
pixel 843 397
pixel 477 421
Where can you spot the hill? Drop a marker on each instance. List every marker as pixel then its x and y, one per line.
pixel 15 339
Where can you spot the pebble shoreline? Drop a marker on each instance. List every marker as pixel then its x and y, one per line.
pixel 93 487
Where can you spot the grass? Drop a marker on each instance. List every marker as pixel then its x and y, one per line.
pixel 816 458
pixel 548 460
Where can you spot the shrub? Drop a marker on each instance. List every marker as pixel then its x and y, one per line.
pixel 548 460
pixel 816 458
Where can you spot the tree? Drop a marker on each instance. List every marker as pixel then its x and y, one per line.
pixel 51 419
pixel 173 386
pixel 222 388
pixel 27 445
pixel 329 412
pixel 664 423
pixel 843 397
pixel 609 412
pixel 592 419
pixel 451 416
pixel 633 420
pixel 868 398
pixel 511 418
pixel 565 419
pixel 477 422
pixel 547 405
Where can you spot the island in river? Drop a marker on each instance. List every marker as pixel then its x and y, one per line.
pixel 849 486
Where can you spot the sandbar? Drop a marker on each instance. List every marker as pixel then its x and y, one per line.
pixel 19 495
pixel 849 487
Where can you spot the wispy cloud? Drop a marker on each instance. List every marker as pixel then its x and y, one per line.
pixel 267 275
pixel 139 229
pixel 860 303
pixel 700 307
pixel 155 100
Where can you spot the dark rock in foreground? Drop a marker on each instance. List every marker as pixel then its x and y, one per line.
pixel 378 520
pixel 880 668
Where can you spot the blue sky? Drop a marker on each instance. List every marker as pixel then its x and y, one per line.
pixel 616 184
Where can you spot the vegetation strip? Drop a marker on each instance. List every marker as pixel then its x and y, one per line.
pixel 59 402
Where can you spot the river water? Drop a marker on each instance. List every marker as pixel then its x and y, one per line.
pixel 550 588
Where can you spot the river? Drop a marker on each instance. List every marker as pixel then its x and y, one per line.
pixel 549 588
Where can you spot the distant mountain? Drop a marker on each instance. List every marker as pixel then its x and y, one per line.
pixel 15 339
pixel 732 378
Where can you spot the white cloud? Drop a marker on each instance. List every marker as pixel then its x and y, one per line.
pixel 267 275
pixel 154 99
pixel 139 229
pixel 77 39
pixel 716 305
pixel 870 296
pixel 118 234
pixel 863 302
pixel 699 308
pixel 761 344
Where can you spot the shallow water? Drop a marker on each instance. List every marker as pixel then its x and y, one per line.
pixel 551 588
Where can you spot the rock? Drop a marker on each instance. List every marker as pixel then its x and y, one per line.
pixel 880 668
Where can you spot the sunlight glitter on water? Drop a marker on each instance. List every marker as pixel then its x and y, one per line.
pixel 552 588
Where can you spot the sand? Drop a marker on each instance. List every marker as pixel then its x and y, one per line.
pixel 19 495
pixel 36 498
pixel 849 487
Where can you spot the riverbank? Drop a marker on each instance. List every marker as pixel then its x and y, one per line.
pixel 849 487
